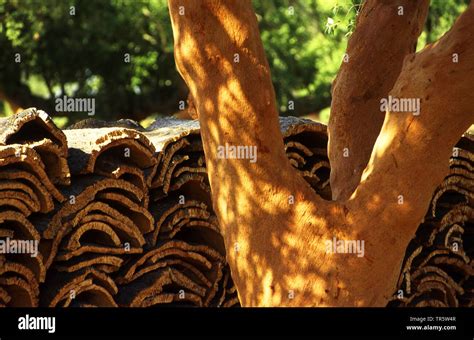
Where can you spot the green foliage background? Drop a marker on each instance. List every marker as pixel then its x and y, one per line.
pixel 82 55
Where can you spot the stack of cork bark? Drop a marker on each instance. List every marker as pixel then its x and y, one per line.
pixel 438 268
pixel 122 216
pixel 33 166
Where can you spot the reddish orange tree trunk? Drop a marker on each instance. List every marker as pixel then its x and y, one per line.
pixel 278 251
pixel 387 31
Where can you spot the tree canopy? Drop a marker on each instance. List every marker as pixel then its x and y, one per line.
pixel 121 53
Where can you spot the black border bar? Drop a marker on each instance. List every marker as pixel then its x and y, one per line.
pixel 288 322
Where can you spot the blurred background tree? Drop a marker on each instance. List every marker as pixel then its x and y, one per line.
pixel 120 52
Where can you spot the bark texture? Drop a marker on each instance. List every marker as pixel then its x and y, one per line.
pixel 162 210
pixel 277 250
pixel 100 241
pixel 438 270
pixel 386 32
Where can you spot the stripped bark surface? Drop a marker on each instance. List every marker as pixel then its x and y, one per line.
pixel 289 252
pixel 368 72
pixel 145 233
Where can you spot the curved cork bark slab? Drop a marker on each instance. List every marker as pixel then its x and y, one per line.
pixel 113 222
pixel 169 212
pixel 87 286
pixel 191 222
pixel 167 154
pixel 306 148
pixel 114 169
pixel 97 195
pixel 102 262
pixel 5 298
pixel 127 230
pixel 37 130
pixel 89 148
pixel 154 286
pixel 21 192
pixel 140 216
pixel 199 264
pixel 172 137
pixel 20 228
pixel 44 197
pixel 191 270
pixel 24 160
pixel 200 256
pixel 466 142
pixel 84 191
pixel 456 184
pixel 15 204
pixel 92 123
pixel 20 290
pixel 231 298
pixel 19 285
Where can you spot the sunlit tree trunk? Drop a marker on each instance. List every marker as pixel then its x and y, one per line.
pixel 387 31
pixel 278 251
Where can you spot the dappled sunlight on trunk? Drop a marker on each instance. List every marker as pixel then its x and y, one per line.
pixel 277 251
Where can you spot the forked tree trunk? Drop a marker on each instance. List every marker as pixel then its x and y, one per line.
pixel 277 248
pixel 387 31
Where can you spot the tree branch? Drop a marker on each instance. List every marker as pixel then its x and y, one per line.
pixel 386 32
pixel 278 251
